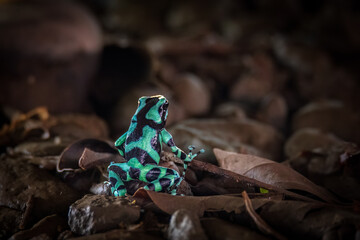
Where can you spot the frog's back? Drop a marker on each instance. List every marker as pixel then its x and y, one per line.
pixel 143 141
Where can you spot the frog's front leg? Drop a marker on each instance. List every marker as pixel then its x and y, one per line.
pixel 119 144
pixel 160 179
pixel 191 156
pixel 187 158
pixel 118 173
pixel 168 140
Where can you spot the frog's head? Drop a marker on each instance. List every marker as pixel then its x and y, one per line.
pixel 153 108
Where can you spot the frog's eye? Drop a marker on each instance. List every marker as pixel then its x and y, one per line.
pixel 165 107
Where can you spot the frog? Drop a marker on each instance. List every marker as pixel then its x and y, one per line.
pixel 141 147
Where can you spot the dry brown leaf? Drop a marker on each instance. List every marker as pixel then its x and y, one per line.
pixel 213 180
pixel 69 159
pixel 336 169
pixel 291 218
pixel 91 158
pixel 270 172
pixel 198 205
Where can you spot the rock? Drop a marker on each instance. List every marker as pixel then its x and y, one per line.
pixel 316 76
pixel 10 220
pixel 51 147
pixel 329 116
pixel 98 213
pixel 262 79
pixel 273 110
pixel 192 94
pixel 39 68
pixel 299 57
pixel 72 127
pixel 101 189
pixel 230 110
pixel 310 139
pixel 38 125
pixel 47 228
pixel 246 136
pixel 209 56
pixel 185 225
pixel 27 188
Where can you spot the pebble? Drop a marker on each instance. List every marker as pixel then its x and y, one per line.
pixel 48 53
pixel 185 225
pixel 193 94
pixel 329 116
pixel 98 213
pixel 237 135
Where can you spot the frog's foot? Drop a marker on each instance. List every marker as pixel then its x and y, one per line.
pixel 116 182
pixel 191 155
pixel 173 192
pixel 181 189
pixel 167 183
pixel 119 193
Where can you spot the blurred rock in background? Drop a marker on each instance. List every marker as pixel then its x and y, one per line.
pixel 48 53
pixel 266 59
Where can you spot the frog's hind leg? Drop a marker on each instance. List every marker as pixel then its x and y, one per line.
pixel 118 173
pixel 160 179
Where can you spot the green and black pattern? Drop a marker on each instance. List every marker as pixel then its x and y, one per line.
pixel 141 146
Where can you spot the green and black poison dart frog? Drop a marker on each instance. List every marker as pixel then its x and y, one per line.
pixel 141 147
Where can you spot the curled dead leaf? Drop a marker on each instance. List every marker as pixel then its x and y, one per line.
pixel 272 173
pixel 208 179
pixel 69 159
pixel 91 158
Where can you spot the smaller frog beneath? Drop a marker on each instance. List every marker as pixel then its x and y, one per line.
pixel 141 147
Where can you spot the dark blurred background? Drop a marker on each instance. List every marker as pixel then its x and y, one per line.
pixel 264 59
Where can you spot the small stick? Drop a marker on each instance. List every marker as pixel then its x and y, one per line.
pixel 260 223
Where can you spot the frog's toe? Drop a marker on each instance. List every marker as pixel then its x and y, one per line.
pixel 120 193
pixel 191 147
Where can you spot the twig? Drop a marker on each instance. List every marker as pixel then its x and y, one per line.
pixel 260 223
